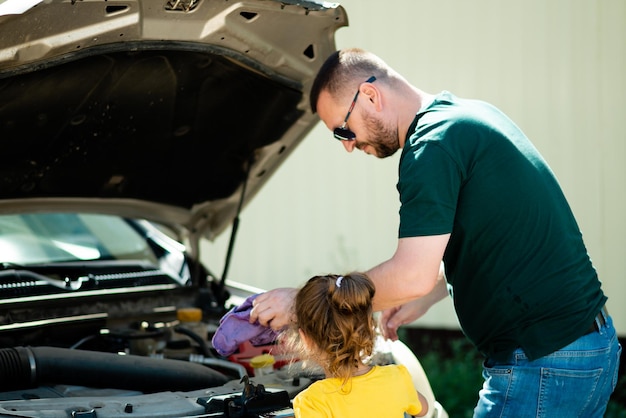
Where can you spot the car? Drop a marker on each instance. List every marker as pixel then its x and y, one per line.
pixel 131 130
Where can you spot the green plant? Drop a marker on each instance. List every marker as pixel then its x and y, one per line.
pixel 615 410
pixel 455 379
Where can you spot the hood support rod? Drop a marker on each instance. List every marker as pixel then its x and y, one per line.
pixel 222 297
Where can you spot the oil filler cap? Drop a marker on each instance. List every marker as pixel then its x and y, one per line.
pixel 189 314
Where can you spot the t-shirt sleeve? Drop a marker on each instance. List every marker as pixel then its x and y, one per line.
pixel 415 406
pixel 429 184
pixel 308 405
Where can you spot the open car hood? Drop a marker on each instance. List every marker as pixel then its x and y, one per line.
pixel 175 111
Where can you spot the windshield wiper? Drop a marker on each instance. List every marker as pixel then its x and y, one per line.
pixel 83 275
pixel 13 270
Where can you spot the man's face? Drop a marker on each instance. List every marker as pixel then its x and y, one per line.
pixel 385 141
pixel 372 135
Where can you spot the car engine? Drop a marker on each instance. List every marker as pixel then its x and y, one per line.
pixel 117 336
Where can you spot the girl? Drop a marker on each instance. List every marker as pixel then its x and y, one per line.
pixel 337 330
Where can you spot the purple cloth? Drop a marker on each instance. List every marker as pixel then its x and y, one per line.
pixel 235 328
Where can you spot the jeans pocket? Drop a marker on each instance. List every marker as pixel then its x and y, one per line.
pixel 494 393
pixel 567 390
pixel 499 377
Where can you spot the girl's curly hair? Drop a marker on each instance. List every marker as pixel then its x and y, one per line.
pixel 336 315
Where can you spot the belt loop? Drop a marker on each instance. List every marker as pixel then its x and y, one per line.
pixel 605 313
pixel 602 318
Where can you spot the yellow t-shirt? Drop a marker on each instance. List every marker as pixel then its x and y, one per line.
pixel 383 392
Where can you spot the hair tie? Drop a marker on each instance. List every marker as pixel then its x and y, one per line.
pixel 338 282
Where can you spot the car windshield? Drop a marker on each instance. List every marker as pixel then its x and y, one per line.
pixel 65 237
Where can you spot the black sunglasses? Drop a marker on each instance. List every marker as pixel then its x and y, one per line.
pixel 342 133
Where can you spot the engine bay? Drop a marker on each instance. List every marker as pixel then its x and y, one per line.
pixel 156 364
pixel 108 317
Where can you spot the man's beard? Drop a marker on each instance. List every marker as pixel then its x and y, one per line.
pixel 386 139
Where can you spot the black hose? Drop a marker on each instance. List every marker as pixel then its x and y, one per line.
pixel 29 367
pixel 204 347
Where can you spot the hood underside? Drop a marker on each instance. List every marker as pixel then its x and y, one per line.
pixel 167 123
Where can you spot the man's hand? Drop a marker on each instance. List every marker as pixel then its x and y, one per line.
pixel 274 308
pixel 392 319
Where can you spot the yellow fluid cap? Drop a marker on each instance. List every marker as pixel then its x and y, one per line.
pixel 262 360
pixel 189 314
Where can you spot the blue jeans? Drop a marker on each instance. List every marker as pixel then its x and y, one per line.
pixel 575 381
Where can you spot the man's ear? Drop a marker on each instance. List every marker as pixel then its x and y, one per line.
pixel 373 95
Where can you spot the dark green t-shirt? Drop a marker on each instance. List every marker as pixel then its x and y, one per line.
pixel 518 269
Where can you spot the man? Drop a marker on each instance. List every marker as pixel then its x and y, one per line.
pixel 482 219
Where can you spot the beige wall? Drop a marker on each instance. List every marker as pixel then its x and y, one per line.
pixel 557 67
